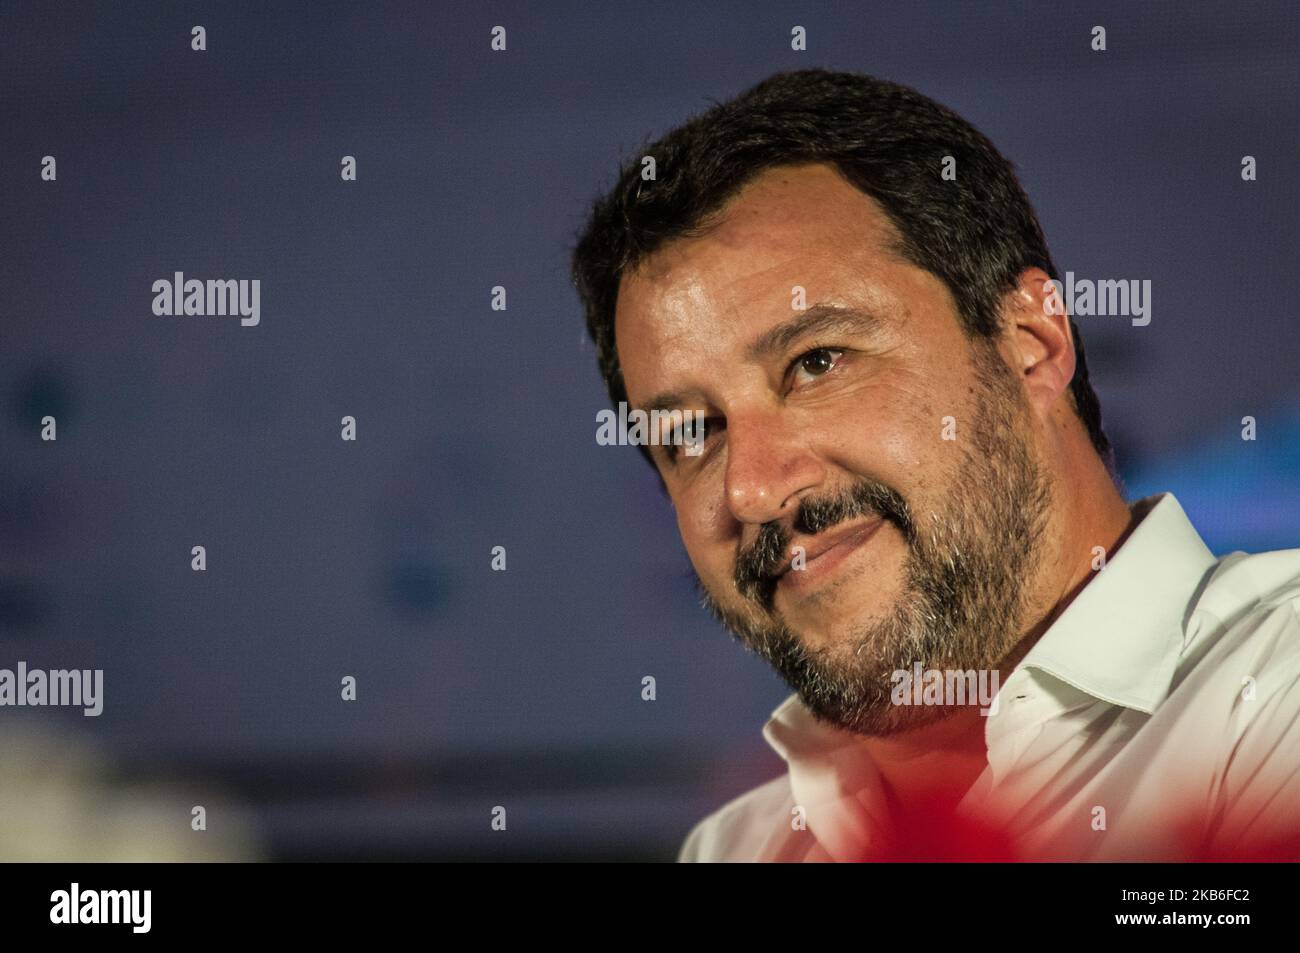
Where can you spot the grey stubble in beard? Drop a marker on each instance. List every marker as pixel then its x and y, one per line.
pixel 962 603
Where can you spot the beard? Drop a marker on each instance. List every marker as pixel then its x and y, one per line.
pixel 962 603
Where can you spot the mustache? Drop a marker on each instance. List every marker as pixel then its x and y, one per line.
pixel 759 565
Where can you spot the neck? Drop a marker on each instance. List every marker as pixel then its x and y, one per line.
pixel 938 762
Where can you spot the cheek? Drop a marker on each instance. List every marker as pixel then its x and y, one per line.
pixel 706 532
pixel 891 433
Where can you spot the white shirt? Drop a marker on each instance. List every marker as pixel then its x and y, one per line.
pixel 1168 690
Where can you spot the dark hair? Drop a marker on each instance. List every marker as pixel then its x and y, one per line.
pixel 976 233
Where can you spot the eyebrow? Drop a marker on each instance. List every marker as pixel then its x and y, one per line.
pixel 817 319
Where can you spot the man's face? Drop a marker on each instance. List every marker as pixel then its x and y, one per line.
pixel 863 437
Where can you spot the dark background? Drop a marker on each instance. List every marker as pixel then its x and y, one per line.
pixel 476 427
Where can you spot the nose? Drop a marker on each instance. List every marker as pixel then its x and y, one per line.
pixel 768 468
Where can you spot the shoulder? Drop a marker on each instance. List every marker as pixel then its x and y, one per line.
pixel 1255 595
pixel 1243 637
pixel 741 828
pixel 1273 576
pixel 1252 654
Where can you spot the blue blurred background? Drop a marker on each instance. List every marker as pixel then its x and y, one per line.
pixel 476 427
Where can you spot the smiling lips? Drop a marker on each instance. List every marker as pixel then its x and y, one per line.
pixel 824 553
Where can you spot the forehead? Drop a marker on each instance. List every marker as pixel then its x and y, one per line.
pixel 791 226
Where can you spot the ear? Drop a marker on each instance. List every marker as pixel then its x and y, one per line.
pixel 1042 344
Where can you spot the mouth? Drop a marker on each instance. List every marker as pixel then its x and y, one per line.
pixel 824 555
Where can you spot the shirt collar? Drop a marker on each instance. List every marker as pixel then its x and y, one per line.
pixel 1119 639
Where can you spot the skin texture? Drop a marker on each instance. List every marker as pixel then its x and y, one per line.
pixel 1013 505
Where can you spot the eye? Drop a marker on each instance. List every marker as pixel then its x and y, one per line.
pixel 813 364
pixel 675 447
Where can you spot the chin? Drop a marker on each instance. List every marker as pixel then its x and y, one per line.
pixel 839 619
